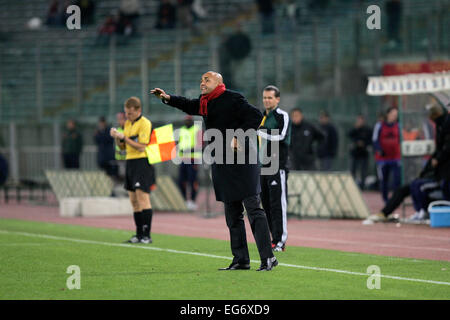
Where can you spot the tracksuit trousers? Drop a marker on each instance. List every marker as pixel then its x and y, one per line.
pixel 396 199
pixel 274 201
pixel 420 189
pixel 384 170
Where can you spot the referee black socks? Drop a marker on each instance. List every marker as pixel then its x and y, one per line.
pixel 139 221
pixel 147 215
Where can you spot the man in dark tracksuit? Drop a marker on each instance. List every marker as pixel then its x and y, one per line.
pixel 328 148
pixel 303 137
pixel 360 135
pixel 275 129
pixel 72 144
pixel 236 184
pixel 440 162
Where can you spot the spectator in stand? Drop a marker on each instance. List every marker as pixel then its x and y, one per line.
pixel 303 137
pixel 291 12
pixel 266 12
pixel 386 142
pixel 64 14
pixel 394 15
pixel 198 11
pixel 105 148
pixel 129 13
pixel 55 14
pixel 87 9
pixel 184 11
pixel 361 137
pixel 166 15
pixel 72 145
pixel 124 29
pixel 327 150
pixel 234 48
pixel 106 30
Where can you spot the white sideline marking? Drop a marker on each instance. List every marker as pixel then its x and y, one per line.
pixel 46 236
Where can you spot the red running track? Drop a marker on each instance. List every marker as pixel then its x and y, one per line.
pixel 408 241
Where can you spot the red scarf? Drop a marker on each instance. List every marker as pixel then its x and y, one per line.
pixel 208 97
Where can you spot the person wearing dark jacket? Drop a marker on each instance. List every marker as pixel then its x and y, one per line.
pixel 3 169
pixel 105 148
pixel 235 184
pixel 361 137
pixel 275 129
pixel 439 161
pixel 303 137
pixel 327 150
pixel 72 144
pixel 166 15
pixel 433 177
pixel 401 193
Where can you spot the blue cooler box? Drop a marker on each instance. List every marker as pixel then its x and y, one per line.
pixel 439 214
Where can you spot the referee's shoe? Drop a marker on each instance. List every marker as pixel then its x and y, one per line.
pixel 134 239
pixel 146 239
pixel 138 239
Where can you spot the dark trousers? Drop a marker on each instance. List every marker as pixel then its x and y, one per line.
pixel 396 200
pixel 234 215
pixel 384 170
pixel 110 167
pixel 326 163
pixel 274 201
pixel 71 160
pixel 446 189
pixel 188 176
pixel 420 189
pixel 359 164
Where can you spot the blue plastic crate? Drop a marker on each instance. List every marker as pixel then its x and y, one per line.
pixel 439 214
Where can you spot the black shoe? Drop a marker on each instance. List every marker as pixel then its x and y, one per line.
pixel 268 265
pixel 236 266
pixel 134 239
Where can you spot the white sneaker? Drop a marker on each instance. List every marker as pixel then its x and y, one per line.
pixel 367 222
pixel 418 216
pixel 377 217
pixel 191 205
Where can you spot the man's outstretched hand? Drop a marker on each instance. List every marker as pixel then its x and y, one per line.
pixel 160 94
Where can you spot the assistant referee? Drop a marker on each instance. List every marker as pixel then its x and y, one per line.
pixel 139 174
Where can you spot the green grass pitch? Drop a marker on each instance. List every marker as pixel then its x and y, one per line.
pixel 35 257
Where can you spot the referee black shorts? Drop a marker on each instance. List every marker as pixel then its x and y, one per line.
pixel 139 174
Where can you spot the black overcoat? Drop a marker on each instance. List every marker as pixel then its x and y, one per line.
pixel 232 182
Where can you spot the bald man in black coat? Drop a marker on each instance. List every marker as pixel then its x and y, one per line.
pixel 237 185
